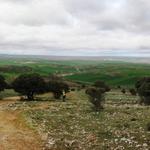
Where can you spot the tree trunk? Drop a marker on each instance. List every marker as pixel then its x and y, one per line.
pixel 57 95
pixel 147 100
pixel 30 96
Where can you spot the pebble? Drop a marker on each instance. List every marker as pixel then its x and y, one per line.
pixel 145 144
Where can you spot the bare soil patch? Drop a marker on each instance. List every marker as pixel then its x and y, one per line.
pixel 14 132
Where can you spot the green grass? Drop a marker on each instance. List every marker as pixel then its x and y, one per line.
pixel 42 67
pixel 112 72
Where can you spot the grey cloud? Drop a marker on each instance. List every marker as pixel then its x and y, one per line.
pixel 75 26
pixel 33 13
pixel 128 15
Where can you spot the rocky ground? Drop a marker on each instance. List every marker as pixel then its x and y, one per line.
pixel 73 125
pixel 14 132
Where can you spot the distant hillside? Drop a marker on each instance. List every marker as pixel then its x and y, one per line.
pixel 90 58
pixel 114 71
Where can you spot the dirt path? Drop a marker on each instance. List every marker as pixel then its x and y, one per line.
pixel 14 133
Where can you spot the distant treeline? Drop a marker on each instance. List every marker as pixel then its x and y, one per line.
pixel 15 69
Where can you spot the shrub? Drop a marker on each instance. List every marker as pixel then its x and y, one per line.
pixel 83 86
pixel 73 89
pixel 29 85
pixel 148 126
pixel 132 91
pixel 57 88
pixel 3 83
pixel 143 89
pixel 119 87
pixel 96 97
pixel 102 85
pixel 123 91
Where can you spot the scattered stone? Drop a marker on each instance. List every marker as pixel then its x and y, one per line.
pixel 133 119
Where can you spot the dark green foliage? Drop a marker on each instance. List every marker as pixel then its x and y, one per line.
pixel 123 91
pixel 119 87
pixel 132 91
pixel 29 85
pixel 83 86
pixel 96 94
pixel 133 119
pixel 141 81
pixel 57 87
pixel 102 85
pixel 96 97
pixel 3 84
pixel 143 89
pixel 148 126
pixel 143 86
pixel 15 69
pixel 72 89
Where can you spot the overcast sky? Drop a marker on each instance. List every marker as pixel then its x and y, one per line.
pixel 75 27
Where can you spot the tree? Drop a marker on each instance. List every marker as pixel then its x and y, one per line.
pixel 3 83
pixel 102 85
pixel 143 89
pixel 132 91
pixel 57 88
pixel 96 97
pixel 29 85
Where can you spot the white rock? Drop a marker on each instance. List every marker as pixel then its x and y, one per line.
pixel 145 144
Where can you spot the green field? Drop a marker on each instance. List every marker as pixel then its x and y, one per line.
pixel 113 72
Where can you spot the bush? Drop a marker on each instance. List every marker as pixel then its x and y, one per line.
pixel 102 85
pixel 132 91
pixel 3 83
pixel 96 97
pixel 29 85
pixel 123 91
pixel 118 87
pixel 57 88
pixel 148 126
pixel 83 86
pixel 143 89
pixel 73 89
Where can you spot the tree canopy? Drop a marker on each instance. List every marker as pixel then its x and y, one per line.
pixel 29 85
pixel 3 83
pixel 57 87
pixel 102 85
pixel 143 89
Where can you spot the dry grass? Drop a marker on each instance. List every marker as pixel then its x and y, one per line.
pixel 74 125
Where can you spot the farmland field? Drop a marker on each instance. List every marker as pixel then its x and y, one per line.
pixel 113 72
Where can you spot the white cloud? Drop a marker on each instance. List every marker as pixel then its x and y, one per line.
pixel 75 27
